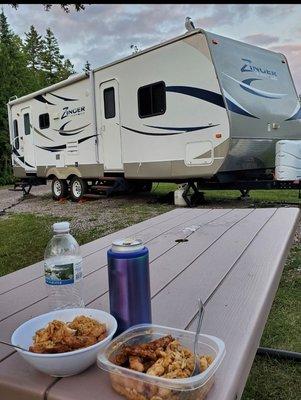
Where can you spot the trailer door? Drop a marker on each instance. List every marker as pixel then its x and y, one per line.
pixel 110 127
pixel 27 140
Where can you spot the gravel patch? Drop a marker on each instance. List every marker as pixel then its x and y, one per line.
pixel 88 213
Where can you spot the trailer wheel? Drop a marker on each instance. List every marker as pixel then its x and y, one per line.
pixel 59 188
pixel 78 187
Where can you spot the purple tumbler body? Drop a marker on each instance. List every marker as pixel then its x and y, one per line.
pixel 129 283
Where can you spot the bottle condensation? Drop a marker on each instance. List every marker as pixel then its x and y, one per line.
pixel 63 269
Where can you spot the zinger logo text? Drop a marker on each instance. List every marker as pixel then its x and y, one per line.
pixel 248 67
pixel 75 111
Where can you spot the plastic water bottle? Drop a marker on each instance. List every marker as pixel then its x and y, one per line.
pixel 63 269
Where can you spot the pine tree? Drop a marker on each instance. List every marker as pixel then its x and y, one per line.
pixel 25 68
pixel 54 66
pixel 65 70
pixel 6 34
pixel 87 67
pixel 51 57
pixel 33 47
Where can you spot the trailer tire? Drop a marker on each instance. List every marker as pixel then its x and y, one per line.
pixel 59 188
pixel 78 187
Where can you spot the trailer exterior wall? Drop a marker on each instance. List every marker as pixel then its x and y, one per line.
pixel 261 99
pixel 67 147
pixel 181 142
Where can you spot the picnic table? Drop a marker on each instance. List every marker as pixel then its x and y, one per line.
pixel 232 259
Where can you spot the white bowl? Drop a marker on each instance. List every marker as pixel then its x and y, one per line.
pixel 62 364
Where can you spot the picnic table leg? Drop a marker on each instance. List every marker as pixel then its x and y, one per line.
pixel 276 353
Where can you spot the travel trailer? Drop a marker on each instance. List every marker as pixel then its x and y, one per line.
pixel 197 108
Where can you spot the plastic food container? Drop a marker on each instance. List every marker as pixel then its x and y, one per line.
pixel 136 385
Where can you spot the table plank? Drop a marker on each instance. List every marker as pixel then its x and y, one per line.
pixel 20 381
pixel 92 290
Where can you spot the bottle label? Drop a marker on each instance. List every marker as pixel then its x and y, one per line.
pixel 63 274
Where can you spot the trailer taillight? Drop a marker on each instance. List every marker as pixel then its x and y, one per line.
pixel 218 135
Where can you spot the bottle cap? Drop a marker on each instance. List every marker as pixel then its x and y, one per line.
pixel 61 227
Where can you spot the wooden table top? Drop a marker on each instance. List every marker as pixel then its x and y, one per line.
pixel 233 260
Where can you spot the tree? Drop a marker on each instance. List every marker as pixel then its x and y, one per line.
pixel 14 79
pixel 25 68
pixel 65 7
pixel 65 70
pixel 87 67
pixel 6 34
pixel 33 47
pixel 54 67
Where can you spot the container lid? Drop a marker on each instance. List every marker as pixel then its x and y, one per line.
pixel 207 344
pixel 61 227
pixel 126 245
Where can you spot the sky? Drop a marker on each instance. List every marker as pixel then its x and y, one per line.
pixel 103 33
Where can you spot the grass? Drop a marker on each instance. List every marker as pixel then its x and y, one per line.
pixel 23 238
pixel 279 379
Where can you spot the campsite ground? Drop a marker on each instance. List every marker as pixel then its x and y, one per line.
pixel 26 228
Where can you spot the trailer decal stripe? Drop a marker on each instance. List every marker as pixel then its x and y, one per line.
pixel 297 115
pixel 40 98
pixel 186 129
pixel 63 98
pixel 41 134
pixel 20 158
pixel 52 149
pixel 86 138
pixel 245 85
pixel 166 133
pixel 63 146
pixel 209 96
pixel 203 94
pixel 74 131
pixel 234 106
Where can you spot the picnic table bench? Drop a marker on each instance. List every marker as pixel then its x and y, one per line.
pixel 232 259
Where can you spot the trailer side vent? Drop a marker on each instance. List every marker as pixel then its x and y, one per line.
pixel 72 147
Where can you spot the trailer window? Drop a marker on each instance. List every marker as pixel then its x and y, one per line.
pixel 152 100
pixel 44 121
pixel 26 124
pixel 16 134
pixel 109 102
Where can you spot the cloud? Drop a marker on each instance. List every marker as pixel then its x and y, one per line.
pixel 261 39
pixel 103 33
pixel 292 51
pixel 224 14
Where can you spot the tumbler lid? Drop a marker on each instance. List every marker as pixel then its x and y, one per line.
pixel 127 245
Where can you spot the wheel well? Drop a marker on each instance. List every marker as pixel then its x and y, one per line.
pixel 50 177
pixel 72 176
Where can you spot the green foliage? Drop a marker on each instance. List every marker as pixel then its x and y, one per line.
pixel 24 68
pixel 87 67
pixel 54 67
